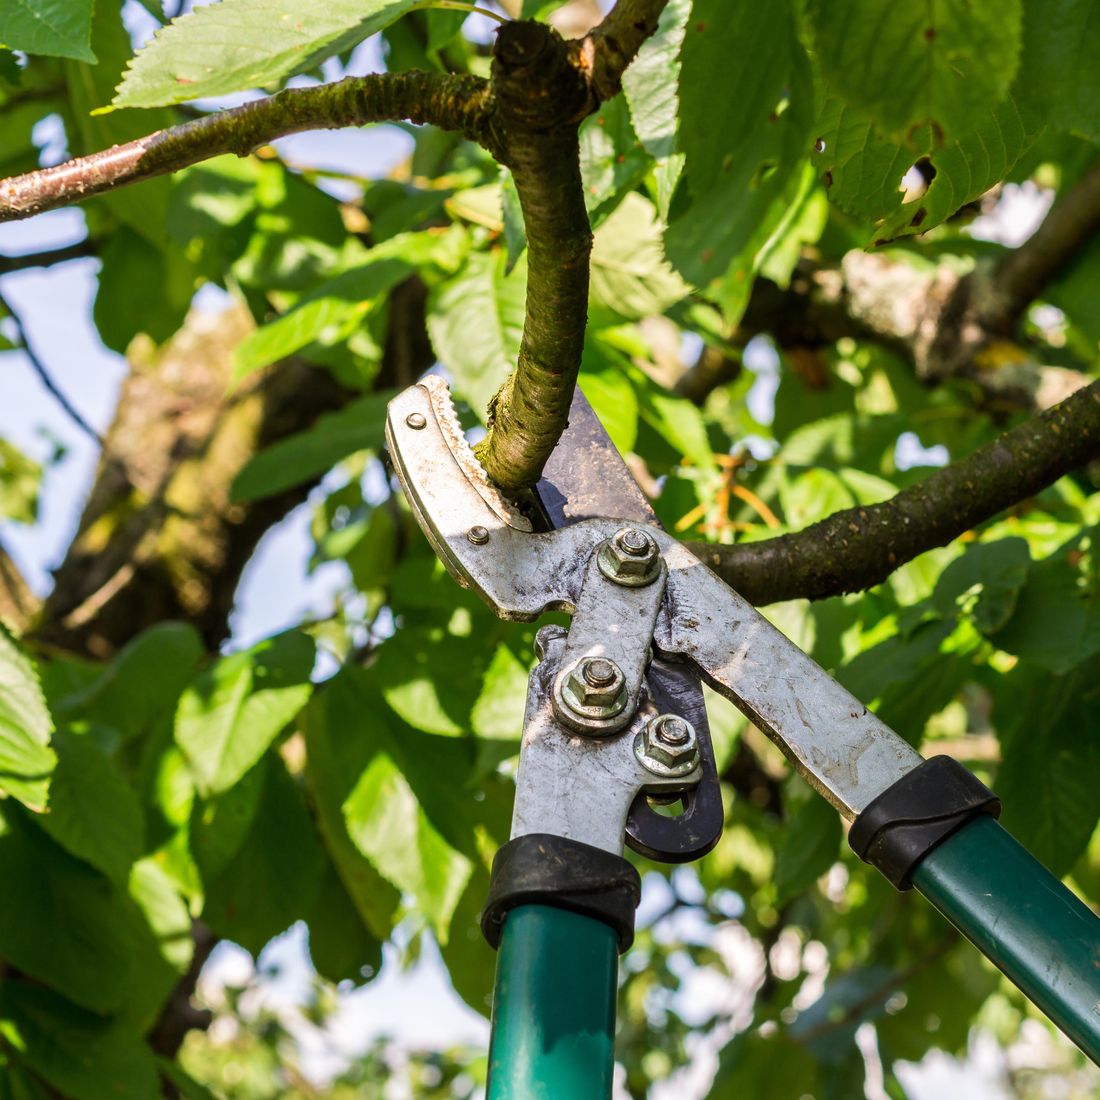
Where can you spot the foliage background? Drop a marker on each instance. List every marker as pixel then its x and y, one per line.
pixel 353 773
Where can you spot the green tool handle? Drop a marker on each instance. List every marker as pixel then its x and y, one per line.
pixel 1044 938
pixel 554 1007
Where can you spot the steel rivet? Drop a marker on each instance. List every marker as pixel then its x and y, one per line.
pixel 416 421
pixel 478 535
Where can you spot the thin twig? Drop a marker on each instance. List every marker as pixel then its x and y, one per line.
pixel 78 251
pixel 39 368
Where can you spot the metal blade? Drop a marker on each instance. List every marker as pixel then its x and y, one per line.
pixel 586 477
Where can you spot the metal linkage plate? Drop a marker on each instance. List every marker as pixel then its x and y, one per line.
pixel 574 786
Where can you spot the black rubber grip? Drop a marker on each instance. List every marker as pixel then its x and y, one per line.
pixel 541 869
pixel 920 811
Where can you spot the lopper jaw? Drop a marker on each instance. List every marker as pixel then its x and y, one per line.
pixel 832 739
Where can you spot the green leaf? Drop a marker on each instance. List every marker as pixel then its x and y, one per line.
pixel 82 1055
pixel 1050 774
pixel 612 158
pixel 940 64
pixel 76 931
pixel 56 28
pixel 650 82
pixel 758 1065
pixel 273 878
pixel 613 400
pixel 335 758
pixel 340 945
pixel 93 812
pixel 984 582
pixel 26 759
pixel 1056 622
pixel 142 288
pixel 239 44
pixel 808 846
pixel 744 129
pixel 327 315
pixel 498 712
pixel 140 685
pixel 390 828
pixel 20 478
pixel 233 711
pixel 220 824
pixel 1058 36
pixel 630 275
pixel 359 426
pixel 475 320
pixel 168 917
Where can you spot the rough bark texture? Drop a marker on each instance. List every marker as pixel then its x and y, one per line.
pixel 452 102
pixel 540 98
pixel 159 538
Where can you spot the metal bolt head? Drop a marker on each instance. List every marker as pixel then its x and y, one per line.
pixel 668 745
pixel 630 557
pixel 478 535
pixel 416 421
pixel 595 688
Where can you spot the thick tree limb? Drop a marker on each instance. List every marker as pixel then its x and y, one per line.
pixel 861 547
pixel 452 102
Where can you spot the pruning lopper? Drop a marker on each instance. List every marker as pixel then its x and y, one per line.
pixel 615 723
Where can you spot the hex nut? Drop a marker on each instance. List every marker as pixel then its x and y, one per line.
pixel 595 688
pixel 668 745
pixel 630 557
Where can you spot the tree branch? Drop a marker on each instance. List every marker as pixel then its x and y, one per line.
pixel 614 44
pixel 861 547
pixel 543 89
pixel 39 368
pixel 540 98
pixel 452 102
pixel 47 258
pixel 1024 272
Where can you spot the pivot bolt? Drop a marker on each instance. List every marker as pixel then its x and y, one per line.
pixel 630 557
pixel 416 421
pixel 595 688
pixel 668 746
pixel 478 535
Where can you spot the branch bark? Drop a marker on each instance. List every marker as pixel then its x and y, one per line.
pixel 452 102
pixel 861 547
pixel 1023 273
pixel 47 258
pixel 543 88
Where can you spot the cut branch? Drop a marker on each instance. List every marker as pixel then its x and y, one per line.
pixel 861 547
pixel 452 102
